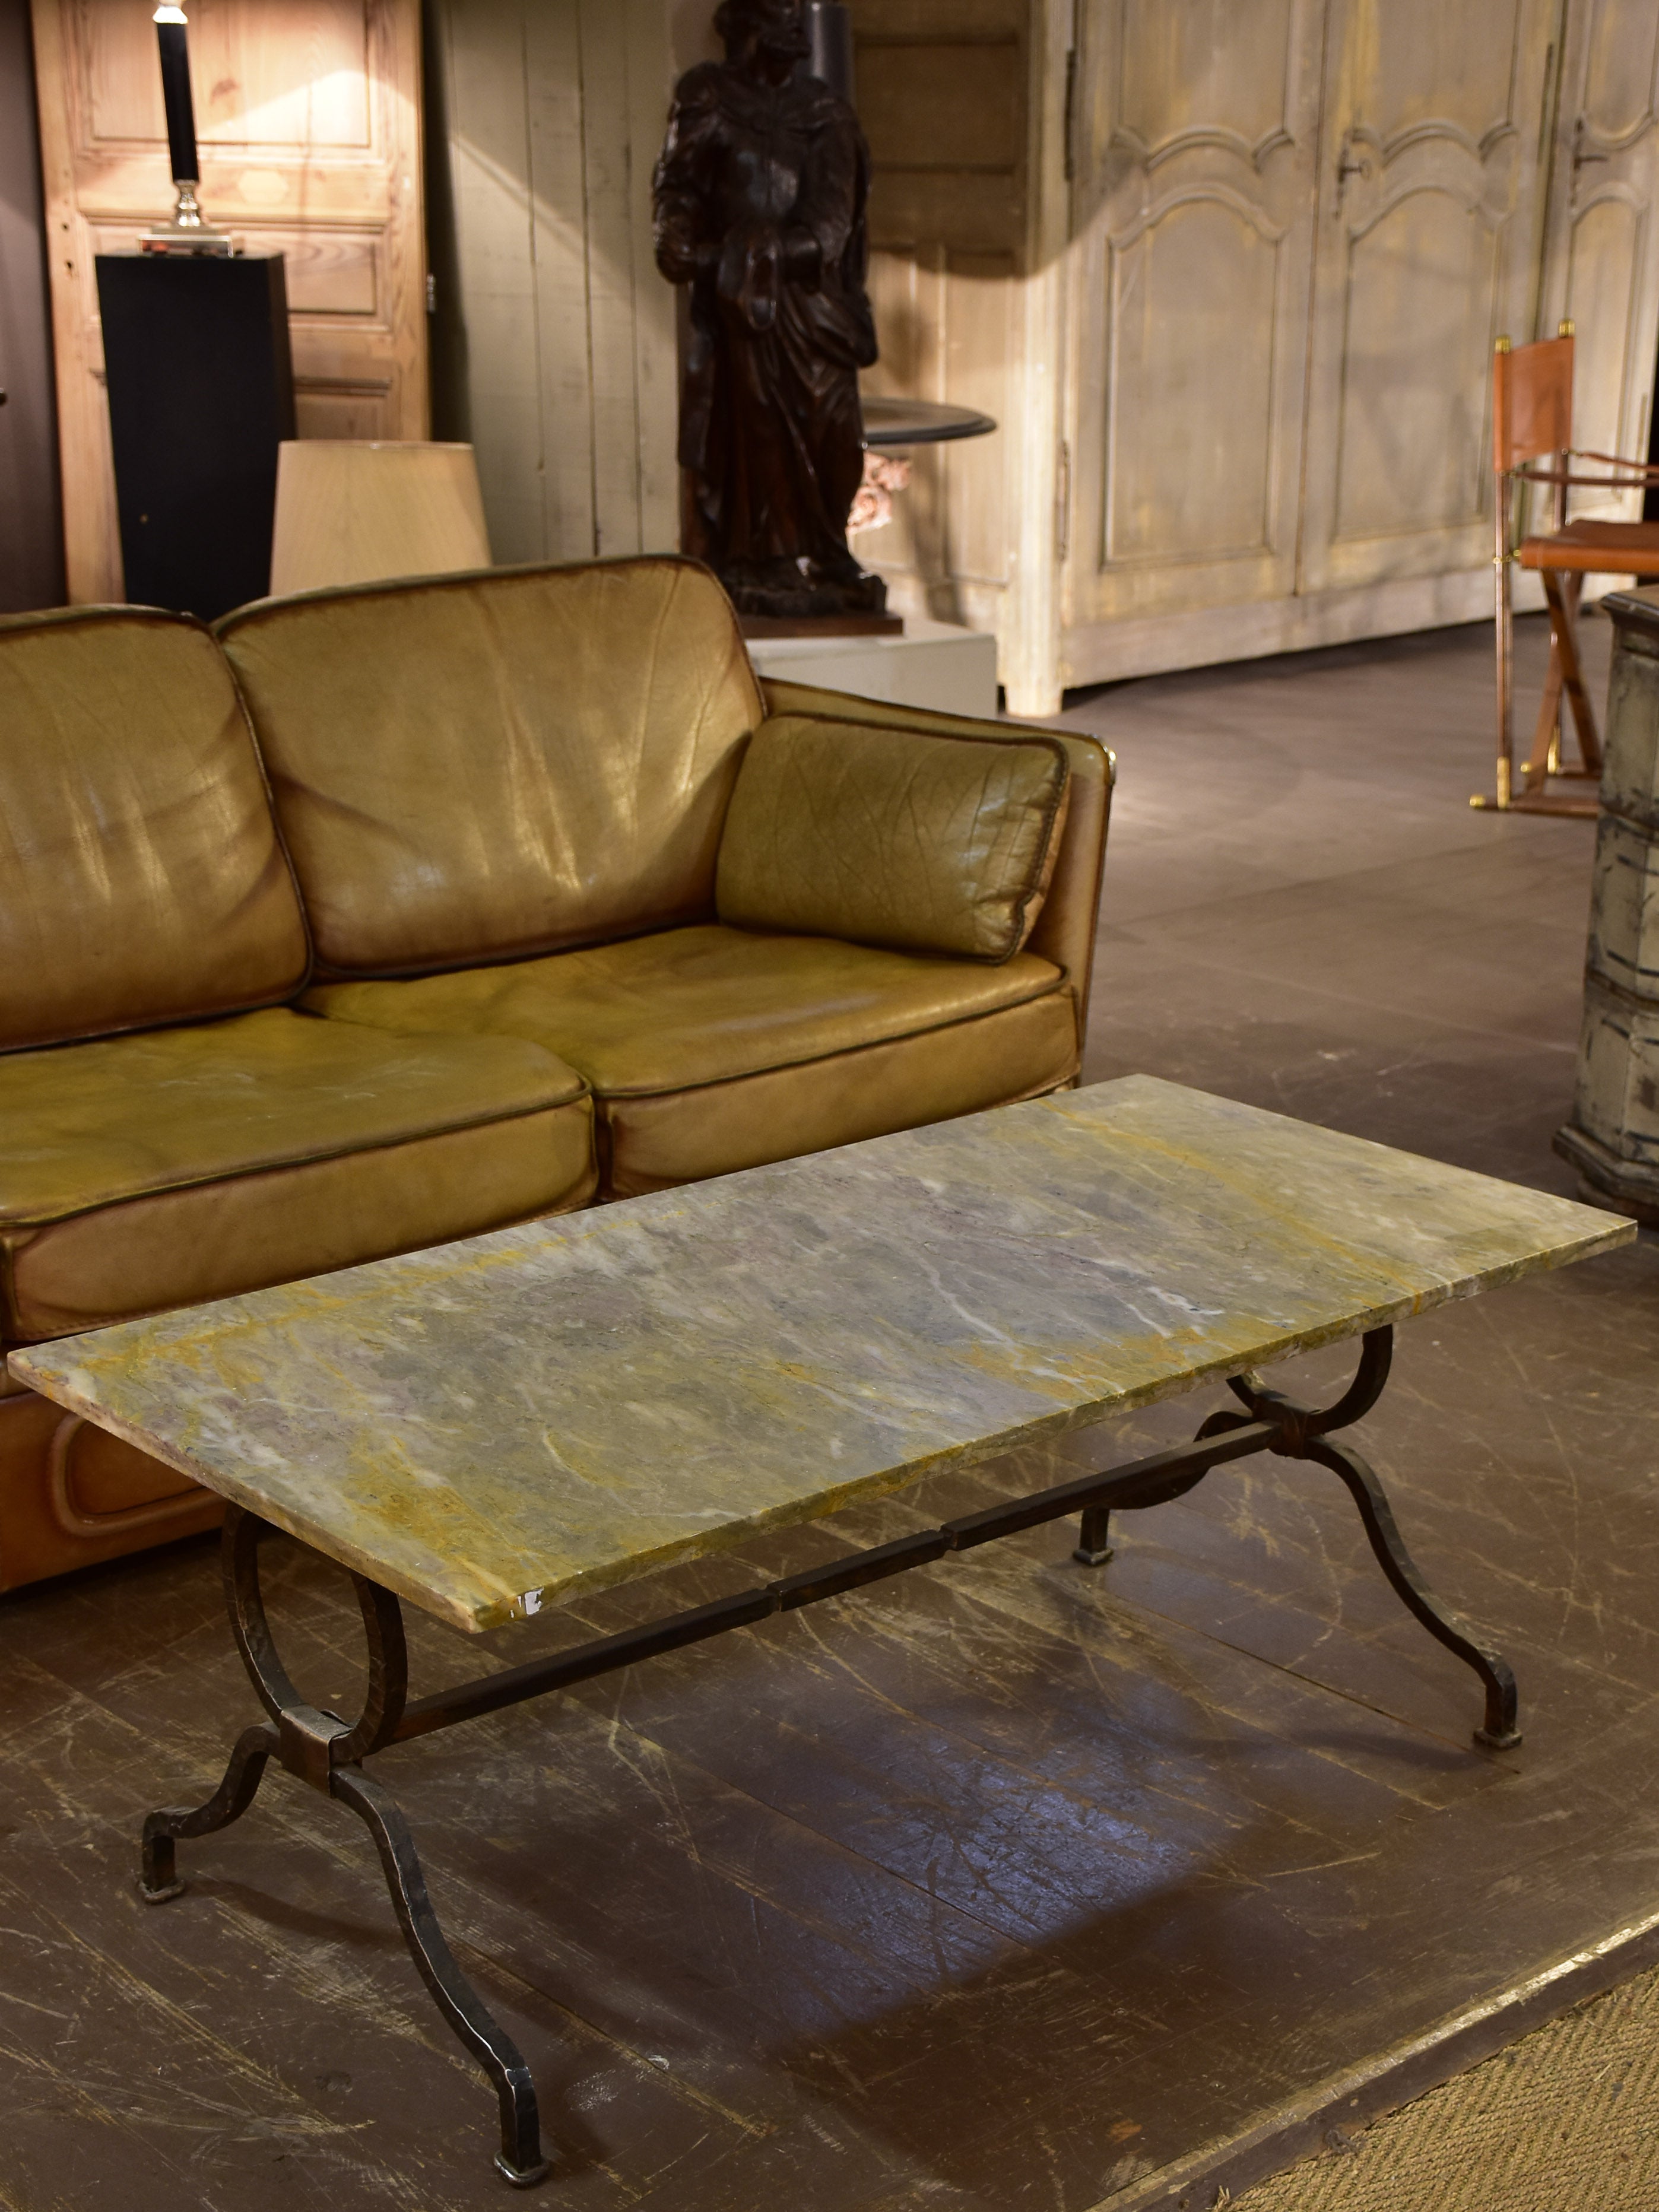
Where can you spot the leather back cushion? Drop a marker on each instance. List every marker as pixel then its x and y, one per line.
pixel 473 768
pixel 888 837
pixel 141 876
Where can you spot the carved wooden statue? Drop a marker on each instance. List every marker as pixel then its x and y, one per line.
pixel 759 200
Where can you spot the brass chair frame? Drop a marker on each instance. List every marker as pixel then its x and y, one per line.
pixel 1532 421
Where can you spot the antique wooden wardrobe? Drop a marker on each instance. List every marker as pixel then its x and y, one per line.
pixel 1231 276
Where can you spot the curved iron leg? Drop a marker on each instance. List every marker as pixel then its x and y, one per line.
pixel 158 1879
pixel 520 2159
pixel 383 1632
pixel 1499 1731
pixel 1375 1358
pixel 1303 1432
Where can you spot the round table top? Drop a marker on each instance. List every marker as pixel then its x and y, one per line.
pixel 920 421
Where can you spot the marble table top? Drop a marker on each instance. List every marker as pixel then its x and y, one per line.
pixel 490 1427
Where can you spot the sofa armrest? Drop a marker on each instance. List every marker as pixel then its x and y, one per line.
pixel 1065 931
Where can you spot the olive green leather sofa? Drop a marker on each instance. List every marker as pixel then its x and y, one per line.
pixel 390 915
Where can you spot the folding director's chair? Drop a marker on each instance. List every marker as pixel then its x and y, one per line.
pixel 1532 419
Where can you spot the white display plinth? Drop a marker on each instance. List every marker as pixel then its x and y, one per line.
pixel 934 663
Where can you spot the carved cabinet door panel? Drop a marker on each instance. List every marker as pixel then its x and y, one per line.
pixel 1194 129
pixel 307 112
pixel 1430 221
pixel 1602 263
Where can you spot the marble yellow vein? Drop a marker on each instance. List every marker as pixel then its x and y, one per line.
pixel 493 1425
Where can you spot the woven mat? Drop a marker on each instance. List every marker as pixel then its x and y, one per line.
pixel 1567 2120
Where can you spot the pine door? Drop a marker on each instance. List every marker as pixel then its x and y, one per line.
pixel 307 112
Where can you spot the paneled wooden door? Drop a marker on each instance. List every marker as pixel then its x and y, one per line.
pixel 1428 247
pixel 1602 267
pixel 308 117
pixel 1195 138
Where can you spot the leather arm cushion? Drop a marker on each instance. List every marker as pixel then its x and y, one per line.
pixel 914 841
pixel 1064 932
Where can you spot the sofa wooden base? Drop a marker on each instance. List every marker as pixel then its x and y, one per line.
pixel 71 1495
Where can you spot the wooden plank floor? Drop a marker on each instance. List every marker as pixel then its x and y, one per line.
pixel 1008 1884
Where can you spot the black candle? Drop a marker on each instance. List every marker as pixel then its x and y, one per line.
pixel 829 28
pixel 170 36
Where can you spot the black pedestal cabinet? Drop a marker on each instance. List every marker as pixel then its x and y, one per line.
pixel 201 392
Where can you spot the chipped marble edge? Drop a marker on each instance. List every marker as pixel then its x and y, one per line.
pixel 68 1387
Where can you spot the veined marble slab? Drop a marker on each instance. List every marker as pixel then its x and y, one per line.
pixel 492 1425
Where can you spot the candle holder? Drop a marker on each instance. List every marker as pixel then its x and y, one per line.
pixel 189 232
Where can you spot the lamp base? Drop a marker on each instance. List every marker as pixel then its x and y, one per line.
pixel 187 233
pixel 189 242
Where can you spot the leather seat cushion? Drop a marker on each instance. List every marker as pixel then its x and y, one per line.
pixel 147 1171
pixel 712 1048
pixel 670 1137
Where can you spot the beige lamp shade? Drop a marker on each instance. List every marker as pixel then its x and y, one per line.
pixel 350 511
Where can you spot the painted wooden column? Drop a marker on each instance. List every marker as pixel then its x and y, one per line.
pixel 1612 1138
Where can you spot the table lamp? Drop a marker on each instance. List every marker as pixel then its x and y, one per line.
pixel 188 232
pixel 353 511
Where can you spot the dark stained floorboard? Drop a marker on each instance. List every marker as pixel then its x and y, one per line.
pixel 1004 1885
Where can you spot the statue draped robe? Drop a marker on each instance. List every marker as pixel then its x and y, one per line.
pixel 760 201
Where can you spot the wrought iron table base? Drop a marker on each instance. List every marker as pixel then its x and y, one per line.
pixel 328 1753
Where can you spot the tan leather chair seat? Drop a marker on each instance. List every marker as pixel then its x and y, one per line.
pixel 159 1170
pixel 711 1049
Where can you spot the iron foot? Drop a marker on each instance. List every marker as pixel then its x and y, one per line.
pixel 1094 1545
pixel 523 2177
pixel 158 1872
pixel 1495 1741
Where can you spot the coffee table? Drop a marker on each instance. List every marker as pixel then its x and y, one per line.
pixel 492 1427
